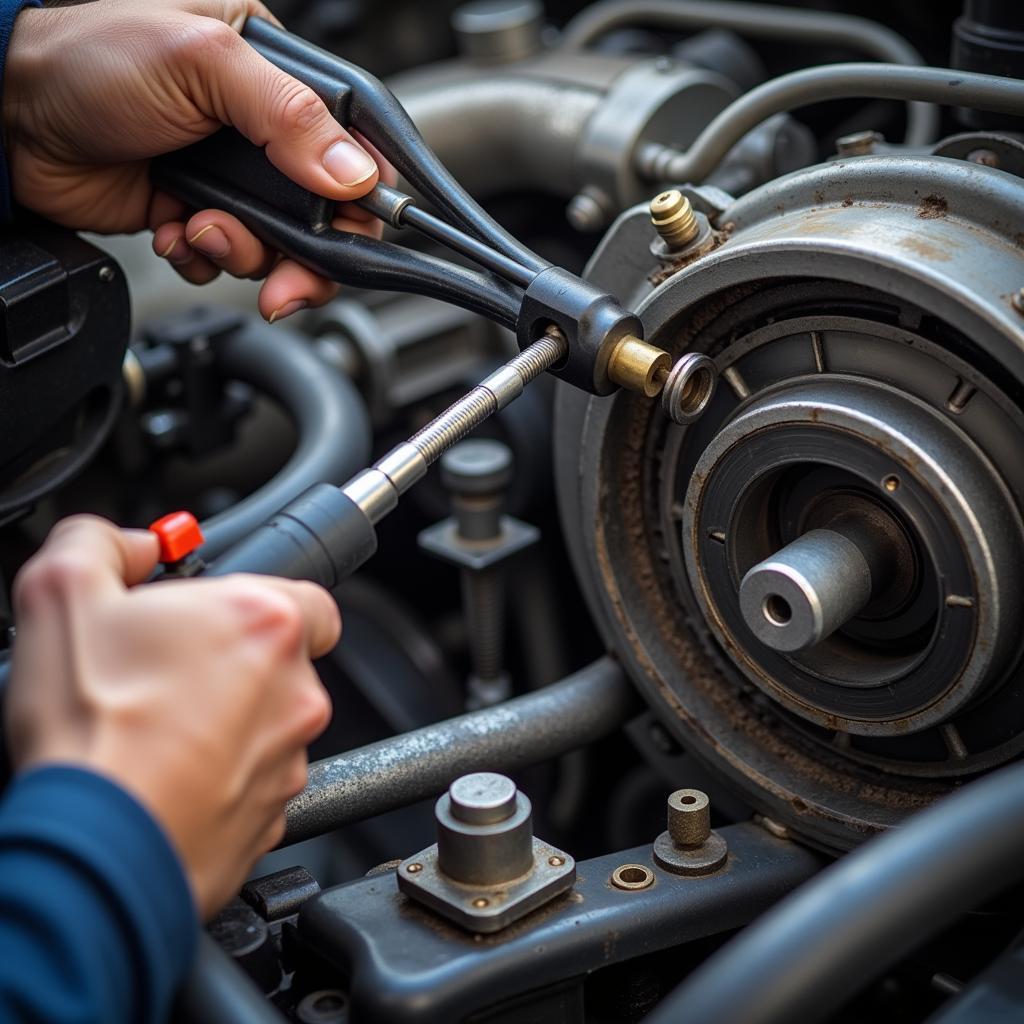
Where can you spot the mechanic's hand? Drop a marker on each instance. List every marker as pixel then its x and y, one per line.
pixel 93 91
pixel 196 696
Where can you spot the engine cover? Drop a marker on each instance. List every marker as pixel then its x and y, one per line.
pixel 861 316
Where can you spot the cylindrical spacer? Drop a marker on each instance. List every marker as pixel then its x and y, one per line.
pixel 804 592
pixel 478 851
pixel 639 366
pixel 689 817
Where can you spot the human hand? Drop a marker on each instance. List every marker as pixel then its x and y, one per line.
pixel 93 91
pixel 196 696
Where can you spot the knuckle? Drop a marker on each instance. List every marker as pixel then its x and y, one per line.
pixel 268 613
pixel 299 109
pixel 206 39
pixel 53 574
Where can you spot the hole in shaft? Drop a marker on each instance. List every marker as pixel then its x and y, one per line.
pixel 777 610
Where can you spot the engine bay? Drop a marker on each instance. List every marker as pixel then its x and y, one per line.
pixel 683 688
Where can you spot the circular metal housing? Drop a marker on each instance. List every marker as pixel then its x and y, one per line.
pixel 860 318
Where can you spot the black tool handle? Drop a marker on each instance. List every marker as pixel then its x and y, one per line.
pixel 322 536
pixel 373 110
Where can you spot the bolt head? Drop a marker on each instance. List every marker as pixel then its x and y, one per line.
pixel 483 798
pixel 477 466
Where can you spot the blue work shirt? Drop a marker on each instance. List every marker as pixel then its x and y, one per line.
pixel 97 922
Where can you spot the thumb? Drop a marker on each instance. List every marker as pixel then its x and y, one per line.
pixel 286 117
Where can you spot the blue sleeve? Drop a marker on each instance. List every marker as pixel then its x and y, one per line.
pixel 9 10
pixel 97 923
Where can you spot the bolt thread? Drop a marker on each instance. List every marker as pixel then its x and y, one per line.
pixel 454 424
pixel 483 602
pixel 541 355
pixel 472 409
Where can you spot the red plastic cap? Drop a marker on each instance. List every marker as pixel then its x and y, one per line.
pixel 179 535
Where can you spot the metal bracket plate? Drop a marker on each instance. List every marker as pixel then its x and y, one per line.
pixel 485 908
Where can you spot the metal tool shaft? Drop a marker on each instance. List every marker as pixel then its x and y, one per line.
pixel 376 490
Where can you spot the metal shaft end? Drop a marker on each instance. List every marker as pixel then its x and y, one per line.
pixel 807 590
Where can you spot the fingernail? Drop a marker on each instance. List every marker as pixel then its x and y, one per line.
pixel 347 164
pixel 287 309
pixel 177 252
pixel 211 241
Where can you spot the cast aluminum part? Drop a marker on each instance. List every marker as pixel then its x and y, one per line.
pixel 861 318
pixel 487 868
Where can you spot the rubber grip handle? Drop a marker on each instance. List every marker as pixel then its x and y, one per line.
pixel 322 536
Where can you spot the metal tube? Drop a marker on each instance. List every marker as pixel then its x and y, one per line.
pixel 814 85
pixel 806 956
pixel 399 771
pixel 481 253
pixel 759 21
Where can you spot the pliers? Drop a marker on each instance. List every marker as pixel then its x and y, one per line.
pixel 563 324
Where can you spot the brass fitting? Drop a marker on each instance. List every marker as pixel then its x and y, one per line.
pixel 637 365
pixel 673 218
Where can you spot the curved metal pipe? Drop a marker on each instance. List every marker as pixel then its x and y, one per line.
pixel 504 132
pixel 814 85
pixel 399 771
pixel 806 956
pixel 330 417
pixel 761 21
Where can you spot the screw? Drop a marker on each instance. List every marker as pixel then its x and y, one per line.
pixel 414 868
pixel 1018 300
pixel 106 274
pixel 587 211
pixel 556 862
pixel 480 903
pixel 891 484
pixel 673 218
pixel 476 474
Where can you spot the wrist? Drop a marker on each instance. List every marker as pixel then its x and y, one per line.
pixel 25 71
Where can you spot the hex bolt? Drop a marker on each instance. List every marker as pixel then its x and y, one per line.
pixel 688 846
pixel 673 218
pixel 476 473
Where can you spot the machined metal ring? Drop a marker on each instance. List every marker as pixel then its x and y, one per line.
pixel 936 484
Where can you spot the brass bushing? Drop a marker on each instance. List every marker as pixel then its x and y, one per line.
pixel 637 365
pixel 689 817
pixel 673 218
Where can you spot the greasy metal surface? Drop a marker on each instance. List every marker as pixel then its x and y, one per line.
pixel 931 246
pixel 485 908
pixel 396 772
pixel 406 965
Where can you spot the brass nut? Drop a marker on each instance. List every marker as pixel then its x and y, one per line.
pixel 637 365
pixel 673 218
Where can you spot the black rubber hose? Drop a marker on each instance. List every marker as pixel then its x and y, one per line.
pixel 217 991
pixel 818 947
pixel 330 417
